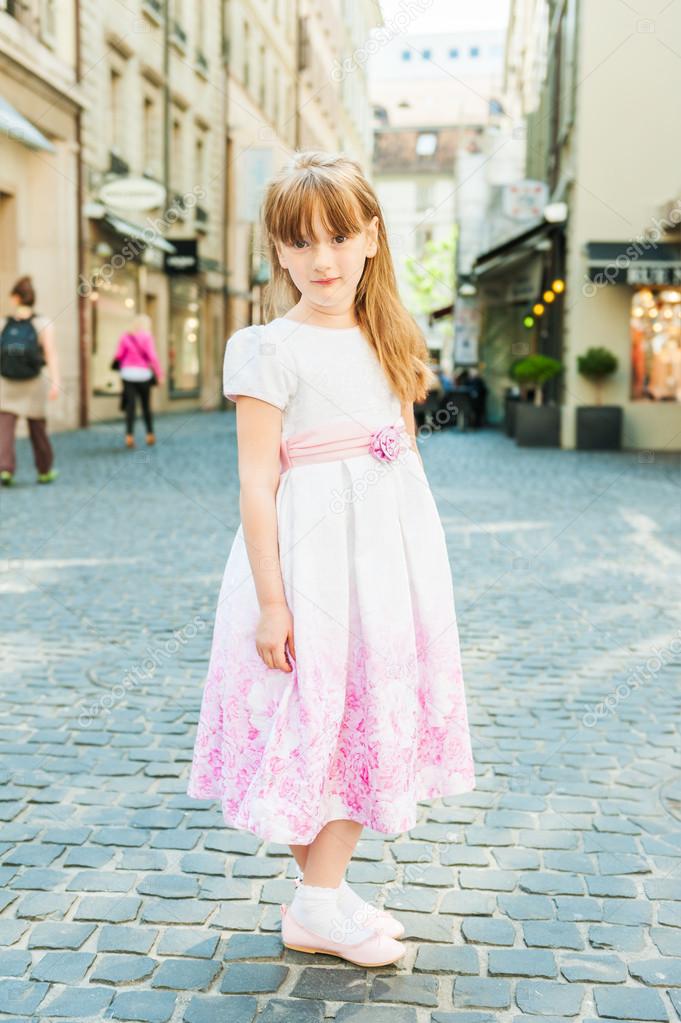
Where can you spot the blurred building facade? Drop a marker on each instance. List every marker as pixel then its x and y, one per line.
pixel 137 140
pixel 40 101
pixel 584 91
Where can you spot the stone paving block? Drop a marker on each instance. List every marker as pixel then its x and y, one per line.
pixel 601 969
pixel 418 900
pixel 285 1010
pixel 667 940
pixel 156 819
pixel 43 879
pixel 87 856
pixel 143 859
pixel 630 1004
pixel 187 941
pixel 669 913
pixel 224 889
pixel 39 905
pixel 446 959
pixel 34 855
pixel 253 946
pixel 79 1003
pixel 370 873
pixel 375 1014
pixel 578 907
pixel 521 962
pixel 120 837
pixel 59 935
pixel 109 909
pixel 346 984
pixel 67 836
pixel 412 852
pixel 541 997
pixel 14 962
pixel 526 907
pixel 517 859
pixel 213 863
pixel 143 1006
pixel 254 978
pixel 420 927
pixel 488 932
pixel 184 840
pixel 176 911
pixel 113 938
pixel 123 969
pixel 476 835
pixel 627 911
pixel 622 863
pixel 481 993
pixel 437 877
pixel 235 842
pixel 464 856
pixel 21 996
pixel 169 886
pixel 11 931
pixel 620 939
pixel 241 916
pixel 100 881
pixel 552 934
pixel 62 967
pixel 545 883
pixel 186 974
pixel 413 990
pixel 548 839
pixel 235 1009
pixel 611 887
pixel 488 880
pixel 657 972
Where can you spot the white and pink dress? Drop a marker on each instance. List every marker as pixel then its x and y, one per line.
pixel 372 719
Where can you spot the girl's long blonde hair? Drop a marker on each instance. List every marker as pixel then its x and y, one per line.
pixel 334 185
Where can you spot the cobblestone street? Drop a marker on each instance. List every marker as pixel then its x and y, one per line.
pixel 551 892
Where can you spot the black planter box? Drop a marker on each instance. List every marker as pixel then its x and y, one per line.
pixel 537 426
pixel 510 405
pixel 599 428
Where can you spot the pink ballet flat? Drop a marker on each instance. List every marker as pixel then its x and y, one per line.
pixel 381 920
pixel 378 950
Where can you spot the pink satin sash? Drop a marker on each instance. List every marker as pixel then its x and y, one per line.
pixel 344 439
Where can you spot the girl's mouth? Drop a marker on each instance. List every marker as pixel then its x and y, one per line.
pixel 327 281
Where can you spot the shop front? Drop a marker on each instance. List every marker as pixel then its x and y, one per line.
pixel 636 290
pixel 184 319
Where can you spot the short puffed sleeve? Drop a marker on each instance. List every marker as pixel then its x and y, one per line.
pixel 257 364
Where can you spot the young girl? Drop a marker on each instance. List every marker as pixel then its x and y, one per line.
pixel 334 698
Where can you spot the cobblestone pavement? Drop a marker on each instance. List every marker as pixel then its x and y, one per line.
pixel 551 892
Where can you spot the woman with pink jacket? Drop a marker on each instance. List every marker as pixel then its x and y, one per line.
pixel 137 362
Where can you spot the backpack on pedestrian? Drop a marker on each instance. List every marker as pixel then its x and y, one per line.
pixel 21 355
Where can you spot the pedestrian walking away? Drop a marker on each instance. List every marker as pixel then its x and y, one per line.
pixel 29 377
pixel 137 362
pixel 334 698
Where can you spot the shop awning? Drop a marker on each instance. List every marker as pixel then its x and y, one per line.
pixel 514 250
pixel 634 262
pixel 15 125
pixel 143 234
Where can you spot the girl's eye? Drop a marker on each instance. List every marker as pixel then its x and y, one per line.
pixel 341 236
pixel 298 242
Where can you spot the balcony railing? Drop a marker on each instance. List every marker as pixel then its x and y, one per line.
pixel 117 165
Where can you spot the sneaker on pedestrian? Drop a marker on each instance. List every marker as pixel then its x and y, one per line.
pixel 129 440
pixel 48 477
pixel 6 478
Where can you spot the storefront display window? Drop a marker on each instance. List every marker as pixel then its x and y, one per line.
pixel 113 301
pixel 656 344
pixel 184 337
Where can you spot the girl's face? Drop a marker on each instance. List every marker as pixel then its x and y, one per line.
pixel 326 269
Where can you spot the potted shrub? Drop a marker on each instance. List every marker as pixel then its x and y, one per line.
pixel 537 424
pixel 599 426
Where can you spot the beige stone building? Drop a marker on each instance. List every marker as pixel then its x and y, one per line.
pixel 39 105
pixel 153 171
pixel 296 79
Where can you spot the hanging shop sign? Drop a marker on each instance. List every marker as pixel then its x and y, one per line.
pixel 635 262
pixel 185 260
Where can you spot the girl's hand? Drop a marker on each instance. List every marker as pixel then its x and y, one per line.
pixel 53 392
pixel 275 628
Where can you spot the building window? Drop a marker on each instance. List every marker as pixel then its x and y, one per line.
pixel 424 195
pixel 656 344
pixel 426 144
pixel 183 337
pixel 176 154
pixel 263 80
pixel 247 56
pixel 454 53
pixel 474 51
pixel 426 54
pixel 116 109
pixel 406 54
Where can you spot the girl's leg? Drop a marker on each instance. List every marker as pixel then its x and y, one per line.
pixel 331 851
pixel 300 855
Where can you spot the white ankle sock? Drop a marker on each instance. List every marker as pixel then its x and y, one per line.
pixel 318 910
pixel 351 903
